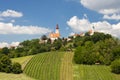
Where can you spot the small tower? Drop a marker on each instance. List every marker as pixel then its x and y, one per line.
pixel 57 29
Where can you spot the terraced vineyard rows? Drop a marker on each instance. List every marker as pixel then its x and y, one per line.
pixel 45 66
pixel 93 72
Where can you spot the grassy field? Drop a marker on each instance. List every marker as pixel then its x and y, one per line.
pixel 58 66
pixel 94 72
pixel 4 76
pixel 66 69
pixel 23 61
pixel 45 66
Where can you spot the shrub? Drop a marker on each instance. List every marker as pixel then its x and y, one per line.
pixel 16 68
pixel 115 66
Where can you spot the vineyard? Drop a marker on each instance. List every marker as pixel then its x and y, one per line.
pixel 66 70
pixel 51 66
pixel 58 66
pixel 45 66
pixel 94 72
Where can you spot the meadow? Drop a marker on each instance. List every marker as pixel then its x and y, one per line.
pixel 58 66
pixel 94 72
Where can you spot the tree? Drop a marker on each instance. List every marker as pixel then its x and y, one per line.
pixel 44 37
pixel 5 64
pixel 5 50
pixel 16 68
pixel 115 66
pixel 57 44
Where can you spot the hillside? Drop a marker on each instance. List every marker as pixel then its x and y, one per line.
pixel 59 66
pixel 23 61
pixel 50 66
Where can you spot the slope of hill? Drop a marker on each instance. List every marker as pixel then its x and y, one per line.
pixel 50 66
pixel 94 72
pixel 23 61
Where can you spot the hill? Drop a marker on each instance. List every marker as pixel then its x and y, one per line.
pixel 23 61
pixel 50 66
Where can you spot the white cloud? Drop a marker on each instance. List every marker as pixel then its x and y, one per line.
pixel 14 44
pixel 12 21
pixel 4 44
pixel 105 7
pixel 9 28
pixel 81 25
pixel 112 17
pixel 11 13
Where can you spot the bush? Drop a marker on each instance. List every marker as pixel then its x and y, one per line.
pixel 115 66
pixel 16 68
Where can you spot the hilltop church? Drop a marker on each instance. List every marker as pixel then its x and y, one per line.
pixel 55 35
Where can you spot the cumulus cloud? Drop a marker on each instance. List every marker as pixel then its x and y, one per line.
pixel 82 25
pixel 4 44
pixel 79 25
pixel 105 7
pixel 9 28
pixel 112 17
pixel 11 13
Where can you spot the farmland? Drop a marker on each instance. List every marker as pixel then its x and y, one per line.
pixel 94 72
pixel 45 66
pixel 58 66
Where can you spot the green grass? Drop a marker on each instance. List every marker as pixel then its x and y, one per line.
pixel 66 69
pixel 45 66
pixel 5 76
pixel 58 66
pixel 23 61
pixel 94 72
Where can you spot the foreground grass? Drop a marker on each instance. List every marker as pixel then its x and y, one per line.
pixel 23 61
pixel 4 76
pixel 94 72
pixel 45 66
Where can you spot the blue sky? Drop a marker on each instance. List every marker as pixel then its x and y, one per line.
pixel 27 19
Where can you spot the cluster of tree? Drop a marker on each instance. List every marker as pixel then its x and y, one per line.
pixel 35 46
pixel 7 66
pixel 99 48
pixel 115 66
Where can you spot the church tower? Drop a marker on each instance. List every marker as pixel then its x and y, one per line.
pixel 57 31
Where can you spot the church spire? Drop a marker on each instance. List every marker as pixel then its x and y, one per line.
pixel 57 27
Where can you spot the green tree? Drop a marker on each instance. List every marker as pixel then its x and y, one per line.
pixel 5 50
pixel 16 68
pixel 5 64
pixel 115 66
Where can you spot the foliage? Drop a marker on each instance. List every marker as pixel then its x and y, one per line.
pixel 6 65
pixel 115 66
pixel 98 48
pixel 5 50
pixel 16 68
